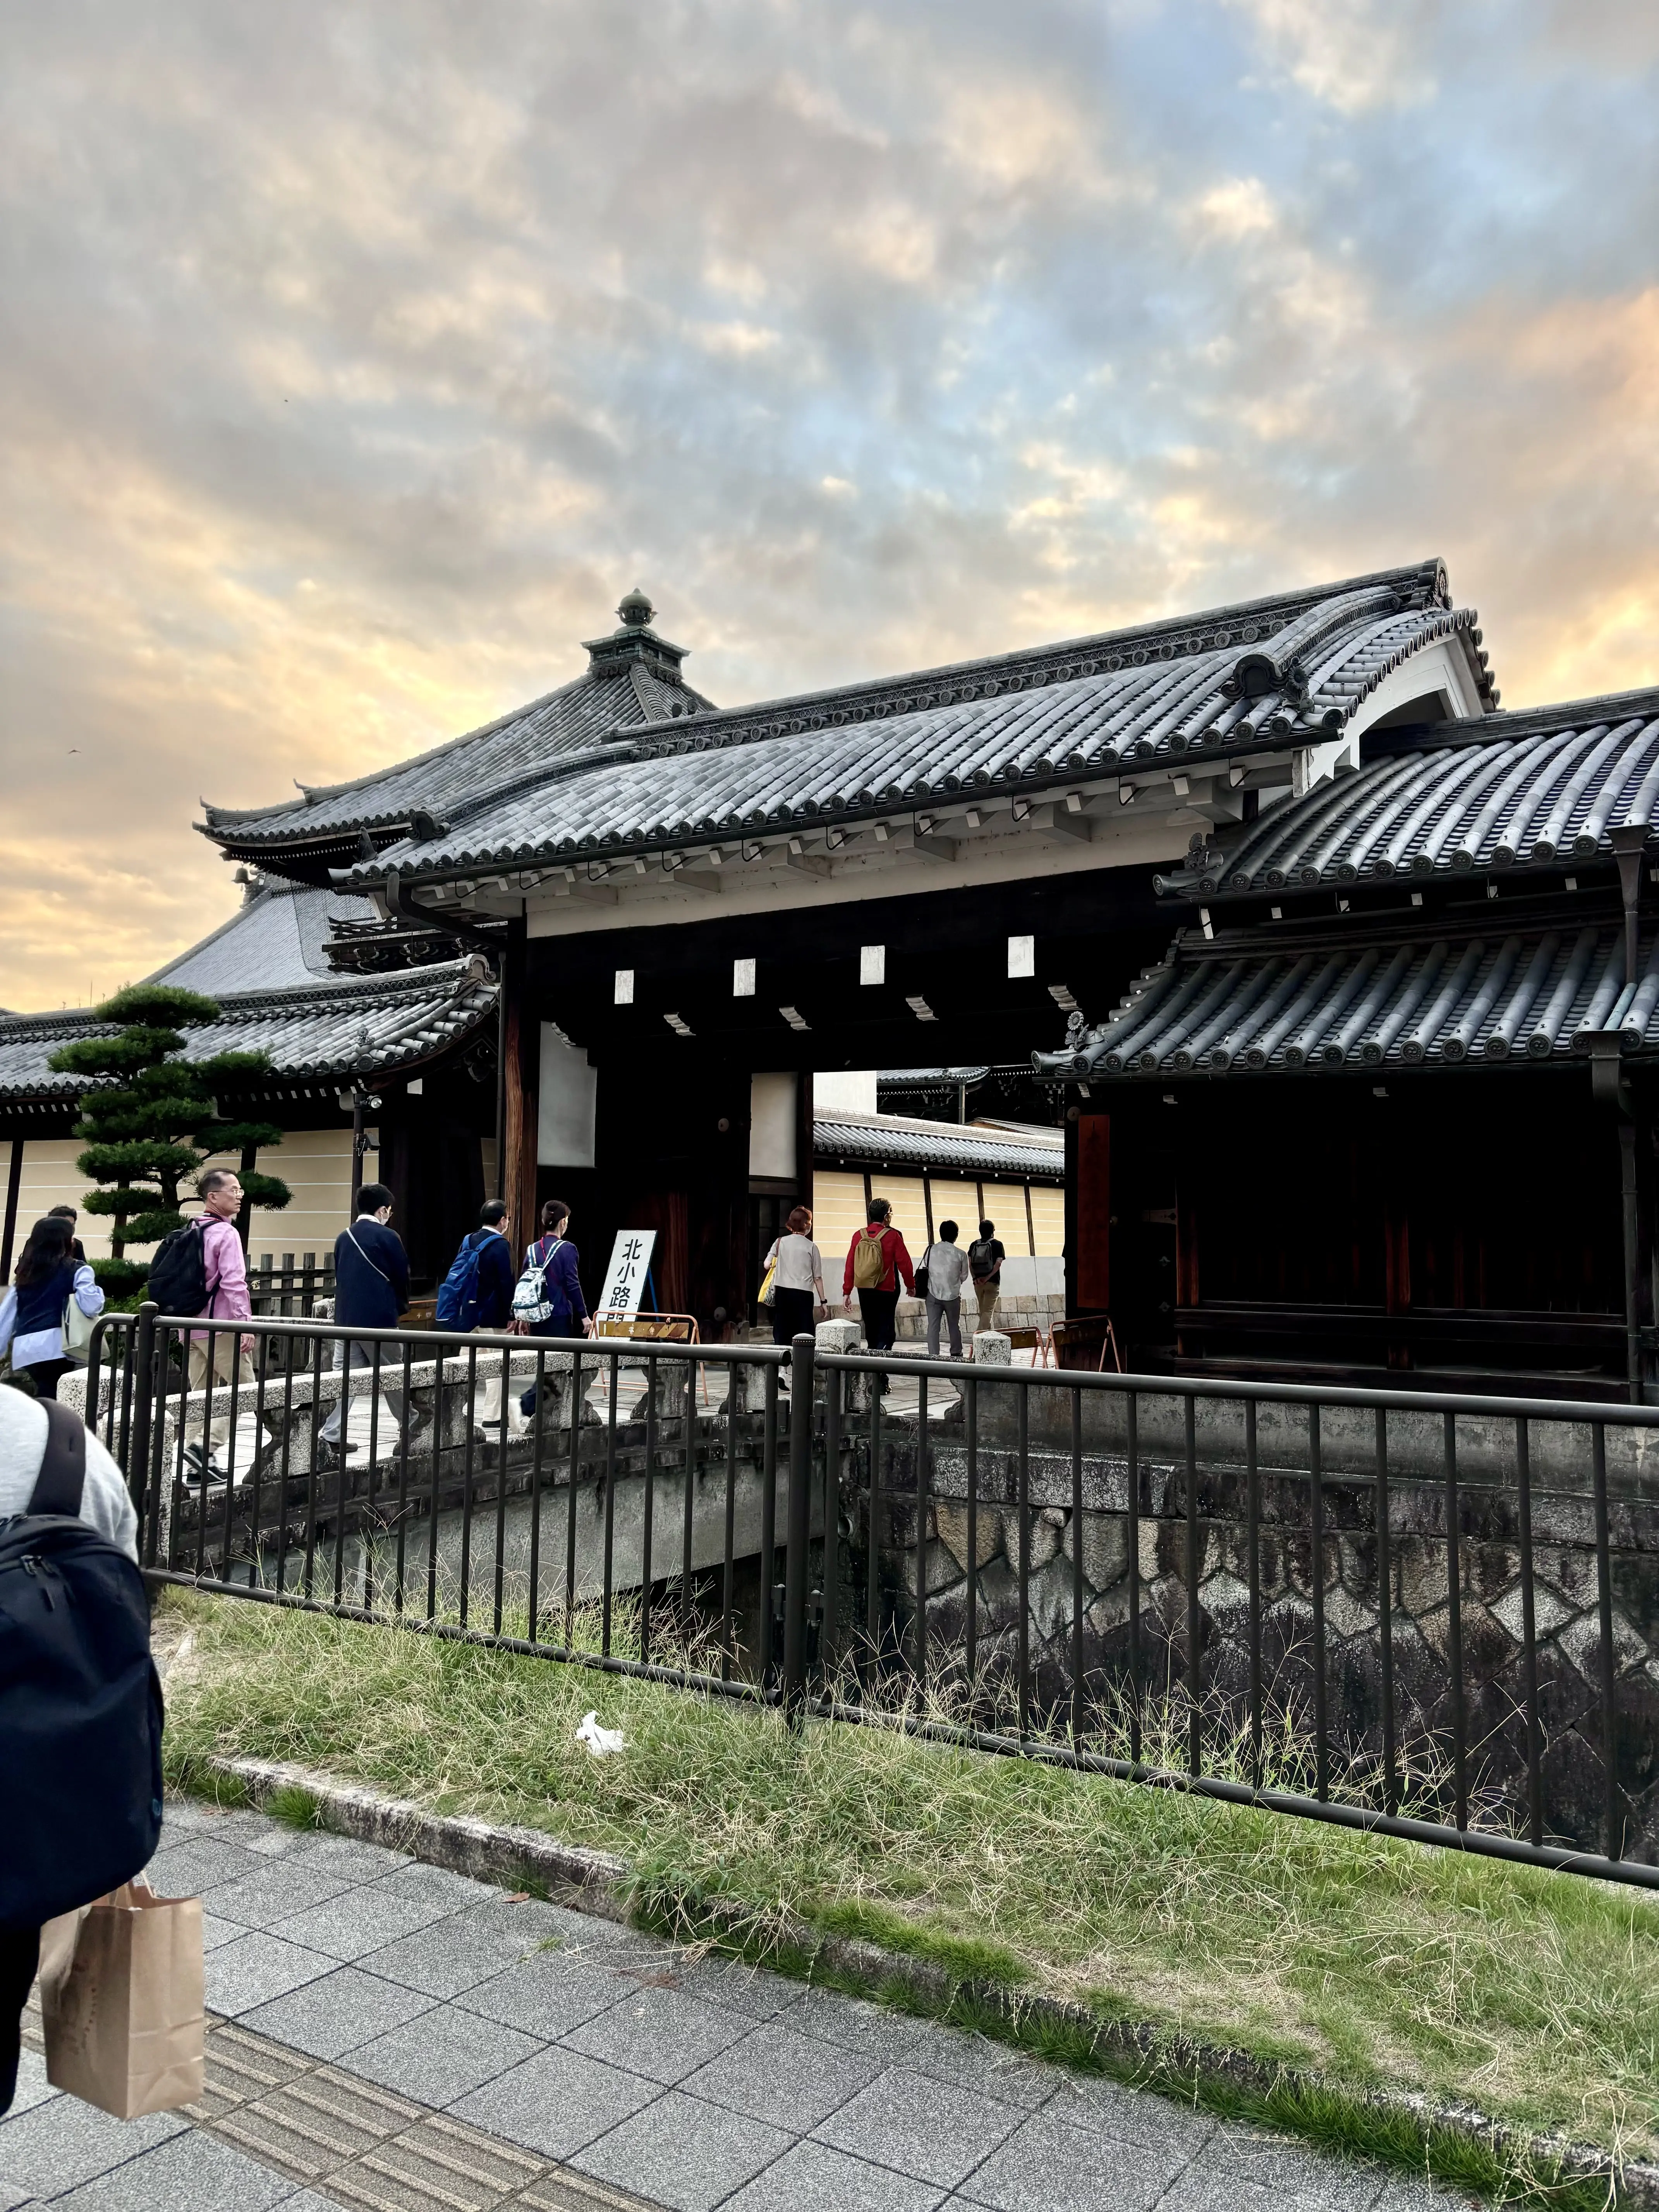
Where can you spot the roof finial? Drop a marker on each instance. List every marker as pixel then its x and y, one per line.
pixel 635 610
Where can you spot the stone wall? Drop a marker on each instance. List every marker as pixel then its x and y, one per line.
pixel 1079 1592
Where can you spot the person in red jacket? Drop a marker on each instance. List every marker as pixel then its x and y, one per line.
pixel 876 1263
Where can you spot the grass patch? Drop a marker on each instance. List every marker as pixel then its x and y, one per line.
pixel 295 1806
pixel 1372 1961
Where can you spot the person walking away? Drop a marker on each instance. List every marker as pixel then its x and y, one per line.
pixel 945 1266
pixel 371 1291
pixel 549 1300
pixel 477 1291
pixel 28 1431
pixel 799 1281
pixel 485 1260
pixel 985 1258
pixel 219 1358
pixel 47 1282
pixel 876 1262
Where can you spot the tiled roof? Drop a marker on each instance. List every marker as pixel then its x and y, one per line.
pixel 1528 791
pixel 1275 672
pixel 928 1078
pixel 1388 997
pixel 278 938
pixel 633 681
pixel 370 1025
pixel 888 1141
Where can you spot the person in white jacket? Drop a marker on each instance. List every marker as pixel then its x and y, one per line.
pixel 946 1266
pixel 32 1311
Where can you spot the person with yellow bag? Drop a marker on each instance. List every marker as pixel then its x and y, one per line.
pixel 794 1279
pixel 81 1750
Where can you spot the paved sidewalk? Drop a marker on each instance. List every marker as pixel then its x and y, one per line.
pixel 398 2037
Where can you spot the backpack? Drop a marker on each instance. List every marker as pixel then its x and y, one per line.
pixel 530 1302
pixel 980 1261
pixel 80 1700
pixel 869 1260
pixel 458 1294
pixel 178 1274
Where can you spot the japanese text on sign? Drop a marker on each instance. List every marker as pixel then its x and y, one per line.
pixel 624 1280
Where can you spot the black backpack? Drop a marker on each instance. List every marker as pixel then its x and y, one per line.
pixel 80 1700
pixel 178 1274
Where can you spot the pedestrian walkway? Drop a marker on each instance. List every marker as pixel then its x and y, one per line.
pixel 393 2037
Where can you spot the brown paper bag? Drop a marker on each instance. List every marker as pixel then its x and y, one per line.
pixel 124 2027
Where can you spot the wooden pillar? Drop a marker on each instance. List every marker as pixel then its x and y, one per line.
pixel 1093 1261
pixel 520 1050
pixel 14 1187
pixel 803 1138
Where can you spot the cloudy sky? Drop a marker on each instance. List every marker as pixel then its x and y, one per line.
pixel 356 357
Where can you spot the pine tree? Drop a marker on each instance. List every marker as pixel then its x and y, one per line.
pixel 152 1128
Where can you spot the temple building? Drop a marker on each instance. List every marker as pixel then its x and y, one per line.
pixel 1282 999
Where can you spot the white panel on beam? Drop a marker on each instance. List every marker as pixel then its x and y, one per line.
pixel 772 1125
pixel 565 1104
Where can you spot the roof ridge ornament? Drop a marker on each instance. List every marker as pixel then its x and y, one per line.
pixel 635 610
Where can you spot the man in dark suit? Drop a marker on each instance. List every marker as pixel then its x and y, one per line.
pixel 371 1291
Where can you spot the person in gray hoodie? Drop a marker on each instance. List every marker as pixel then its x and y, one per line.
pixel 946 1266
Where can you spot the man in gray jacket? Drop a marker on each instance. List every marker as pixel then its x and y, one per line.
pixel 946 1266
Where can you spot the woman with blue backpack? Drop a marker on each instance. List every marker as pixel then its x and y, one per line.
pixel 549 1299
pixel 34 1313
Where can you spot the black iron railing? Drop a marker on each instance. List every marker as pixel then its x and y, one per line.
pixel 1426 1615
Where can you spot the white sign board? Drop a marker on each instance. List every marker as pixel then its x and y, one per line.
pixel 624 1278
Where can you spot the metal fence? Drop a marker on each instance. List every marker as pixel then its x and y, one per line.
pixel 1429 1615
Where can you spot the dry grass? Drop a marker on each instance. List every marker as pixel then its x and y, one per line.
pixel 1533 1996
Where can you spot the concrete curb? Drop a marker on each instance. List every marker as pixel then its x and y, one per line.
pixel 600 1883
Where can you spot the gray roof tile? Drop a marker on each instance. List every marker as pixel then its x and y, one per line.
pixel 1518 791
pixel 1259 676
pixel 949 1147
pixel 1435 996
pixel 356 1025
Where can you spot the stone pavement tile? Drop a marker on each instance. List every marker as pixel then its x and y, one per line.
pixel 357 1921
pixel 442 2054
pixel 1404 2193
pixel 33 2087
pixel 191 2173
pixel 14 2195
pixel 1046 2167
pixel 548 1993
pixel 452 1955
pixel 680 2153
pixel 556 2103
pixel 62 2141
pixel 195 1864
pixel 346 1856
pixel 190 1816
pixel 792 2081
pixel 739 1986
pixel 812 2178
pixel 1207 2188
pixel 1132 2116
pixel 339 2013
pixel 974 2062
pixel 661 2034
pixel 891 2038
pixel 216 1931
pixel 592 1931
pixel 254 1968
pixel 921 2127
pixel 275 1893
pixel 1271 2162
pixel 450 1892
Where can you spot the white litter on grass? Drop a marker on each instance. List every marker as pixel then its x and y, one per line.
pixel 601 1742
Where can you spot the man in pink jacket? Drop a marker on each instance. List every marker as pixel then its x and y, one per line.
pixel 226 1267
